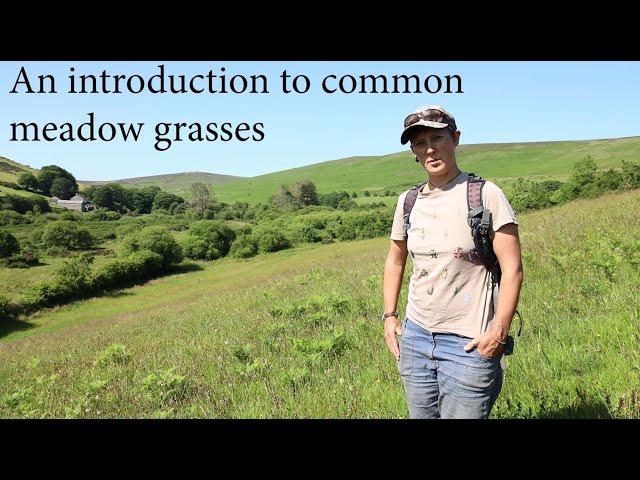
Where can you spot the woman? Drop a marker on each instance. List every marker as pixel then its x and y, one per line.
pixel 451 340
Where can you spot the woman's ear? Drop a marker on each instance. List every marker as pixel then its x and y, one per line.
pixel 456 137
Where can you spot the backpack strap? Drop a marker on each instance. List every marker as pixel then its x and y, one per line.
pixel 474 205
pixel 479 219
pixel 409 202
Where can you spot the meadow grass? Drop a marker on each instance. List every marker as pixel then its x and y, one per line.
pixel 296 334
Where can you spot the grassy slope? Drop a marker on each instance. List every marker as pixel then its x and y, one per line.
pixel 9 170
pixel 577 356
pixel 177 183
pixel 398 171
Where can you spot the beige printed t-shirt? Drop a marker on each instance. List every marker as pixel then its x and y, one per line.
pixel 449 290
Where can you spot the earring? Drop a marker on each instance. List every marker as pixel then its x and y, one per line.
pixel 417 161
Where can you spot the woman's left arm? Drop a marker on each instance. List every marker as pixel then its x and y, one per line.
pixel 506 245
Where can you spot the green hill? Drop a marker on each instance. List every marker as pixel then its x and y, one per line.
pixel 501 163
pixel 9 170
pixel 177 183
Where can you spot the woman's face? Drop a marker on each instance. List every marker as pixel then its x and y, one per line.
pixel 435 148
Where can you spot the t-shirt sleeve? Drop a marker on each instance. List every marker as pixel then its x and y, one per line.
pixel 496 201
pixel 397 233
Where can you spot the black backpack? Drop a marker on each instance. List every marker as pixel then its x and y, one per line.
pixel 479 220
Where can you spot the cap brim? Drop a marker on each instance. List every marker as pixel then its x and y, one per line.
pixel 404 138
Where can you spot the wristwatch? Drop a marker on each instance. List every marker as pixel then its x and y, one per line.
pixel 387 315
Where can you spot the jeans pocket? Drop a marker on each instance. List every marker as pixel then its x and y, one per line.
pixel 406 358
pixel 485 358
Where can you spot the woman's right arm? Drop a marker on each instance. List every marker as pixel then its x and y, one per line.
pixel 392 283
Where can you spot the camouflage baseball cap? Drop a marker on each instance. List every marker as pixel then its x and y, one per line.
pixel 433 116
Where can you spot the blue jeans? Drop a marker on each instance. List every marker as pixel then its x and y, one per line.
pixel 441 380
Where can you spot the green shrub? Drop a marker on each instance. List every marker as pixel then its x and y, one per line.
pixel 103 215
pixel 72 282
pixel 630 175
pixel 529 195
pixel 272 241
pixel 123 230
pixel 69 215
pixel 66 234
pixel 157 240
pixel 23 205
pixel 8 244
pixel 9 217
pixel 208 240
pixel 197 248
pixel 26 259
pixel 77 269
pixel 333 199
pixel 141 265
pixel 6 309
pixel 244 246
pixel 308 228
pixel 241 229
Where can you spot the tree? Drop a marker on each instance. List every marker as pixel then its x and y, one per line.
pixel 584 174
pixel 111 196
pixel 166 201
pixel 305 193
pixel 28 181
pixel 284 199
pixel 200 197
pixel 143 198
pixel 48 174
pixel 63 187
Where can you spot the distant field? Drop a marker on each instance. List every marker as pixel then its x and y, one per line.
pixel 297 334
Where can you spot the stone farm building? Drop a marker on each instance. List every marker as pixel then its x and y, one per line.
pixel 76 202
